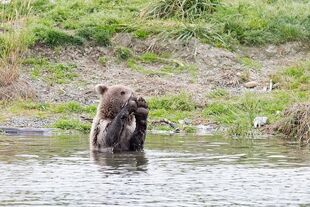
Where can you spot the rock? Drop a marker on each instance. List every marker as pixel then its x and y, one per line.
pixel 260 121
pixel 181 122
pixel 187 121
pixel 205 129
pixel 251 84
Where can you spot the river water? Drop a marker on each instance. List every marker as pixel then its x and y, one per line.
pixel 172 171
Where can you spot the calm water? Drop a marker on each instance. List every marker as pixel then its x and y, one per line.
pixel 173 171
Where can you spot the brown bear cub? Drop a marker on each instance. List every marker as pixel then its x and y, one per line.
pixel 121 120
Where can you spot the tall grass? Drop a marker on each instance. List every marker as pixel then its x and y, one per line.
pixel 247 22
pixel 184 9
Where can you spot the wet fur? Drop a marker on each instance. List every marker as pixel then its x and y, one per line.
pixel 120 122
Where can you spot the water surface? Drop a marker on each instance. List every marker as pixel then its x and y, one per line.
pixel 172 171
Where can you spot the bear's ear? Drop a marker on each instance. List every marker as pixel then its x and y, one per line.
pixel 100 89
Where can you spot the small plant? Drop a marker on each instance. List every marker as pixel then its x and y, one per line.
pixel 141 34
pixel 245 75
pixel 103 60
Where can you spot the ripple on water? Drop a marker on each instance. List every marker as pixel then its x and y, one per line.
pixel 173 171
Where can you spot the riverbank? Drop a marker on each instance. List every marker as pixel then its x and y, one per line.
pixel 185 100
pixel 192 75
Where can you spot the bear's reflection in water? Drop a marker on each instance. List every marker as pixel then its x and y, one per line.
pixel 116 163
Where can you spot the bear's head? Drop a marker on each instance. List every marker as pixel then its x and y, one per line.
pixel 112 99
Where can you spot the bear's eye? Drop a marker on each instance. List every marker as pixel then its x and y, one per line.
pixel 123 93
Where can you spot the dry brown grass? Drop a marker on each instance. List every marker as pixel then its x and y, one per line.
pixel 296 123
pixel 9 70
pixel 14 42
pixel 18 89
pixel 11 87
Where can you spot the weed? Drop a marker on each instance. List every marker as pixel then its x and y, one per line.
pixel 103 60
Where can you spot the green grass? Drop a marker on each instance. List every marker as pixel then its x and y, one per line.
pixel 72 124
pixel 51 72
pixel 218 93
pixel 172 107
pixel 183 9
pixel 222 23
pixel 164 65
pixel 294 78
pixel 54 37
pixel 180 102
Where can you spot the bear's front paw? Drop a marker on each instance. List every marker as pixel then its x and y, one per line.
pixel 142 110
pixel 132 106
pixel 141 103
